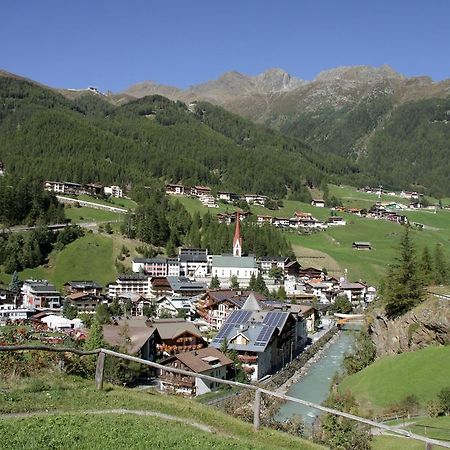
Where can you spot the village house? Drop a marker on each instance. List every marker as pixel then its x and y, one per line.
pixel 200 191
pixel 207 361
pixel 265 341
pixel 336 221
pixel 193 262
pixel 113 191
pixel 176 287
pixel 64 187
pixel 175 189
pixel 256 199
pixel 88 287
pixel 261 220
pixel 359 245
pixel 136 283
pixel 228 197
pixel 9 312
pixel 266 263
pixel 355 292
pixel 93 189
pixel 208 200
pixel 156 267
pixel 134 336
pixel 411 195
pixel 174 306
pixel 177 335
pixel 307 273
pixel 217 304
pixel 40 294
pixel 84 301
pixel 318 203
pixel 281 222
pixel 292 268
pixel 58 323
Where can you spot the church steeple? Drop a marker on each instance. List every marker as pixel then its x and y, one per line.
pixel 237 240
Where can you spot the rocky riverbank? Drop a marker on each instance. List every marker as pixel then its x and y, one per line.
pixel 298 367
pixel 283 389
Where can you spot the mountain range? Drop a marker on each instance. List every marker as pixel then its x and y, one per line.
pixel 385 127
pixel 395 127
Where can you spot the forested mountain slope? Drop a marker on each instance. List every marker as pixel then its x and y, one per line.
pixel 87 139
pixel 393 127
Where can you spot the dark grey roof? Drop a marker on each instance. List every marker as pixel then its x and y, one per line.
pixel 150 260
pixel 84 284
pixel 259 327
pixel 185 284
pixel 193 257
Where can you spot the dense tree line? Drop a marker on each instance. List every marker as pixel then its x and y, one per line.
pixel 24 201
pixel 31 249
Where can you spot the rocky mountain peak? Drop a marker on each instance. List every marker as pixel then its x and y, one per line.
pixel 277 80
pixel 362 74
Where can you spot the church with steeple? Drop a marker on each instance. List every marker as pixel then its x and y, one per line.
pixel 227 266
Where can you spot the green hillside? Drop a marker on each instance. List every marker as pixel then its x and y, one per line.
pixel 62 420
pixel 335 244
pixel 390 379
pixel 91 257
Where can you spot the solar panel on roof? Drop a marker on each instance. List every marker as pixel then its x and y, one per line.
pixel 224 330
pixel 264 335
pixel 274 318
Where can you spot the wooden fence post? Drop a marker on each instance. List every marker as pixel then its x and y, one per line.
pixel 99 370
pixel 257 410
pixel 428 446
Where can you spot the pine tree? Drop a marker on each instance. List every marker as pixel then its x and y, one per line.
pixel 234 283
pixel 260 285
pixel 403 288
pixel 426 265
pixel 69 311
pixel 252 283
pixel 441 270
pixel 215 282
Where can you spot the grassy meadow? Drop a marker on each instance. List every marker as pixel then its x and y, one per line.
pixel 390 379
pixel 333 248
pixel 65 422
pixel 91 257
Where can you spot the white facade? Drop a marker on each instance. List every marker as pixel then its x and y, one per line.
pixel 131 285
pixel 57 323
pixel 40 294
pixel 113 191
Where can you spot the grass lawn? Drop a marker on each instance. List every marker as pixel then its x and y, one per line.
pixel 78 430
pixel 396 443
pixel 84 214
pixel 390 379
pixel 91 257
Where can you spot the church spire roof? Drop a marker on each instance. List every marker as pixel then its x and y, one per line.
pixel 237 239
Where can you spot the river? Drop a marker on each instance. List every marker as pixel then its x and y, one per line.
pixel 315 385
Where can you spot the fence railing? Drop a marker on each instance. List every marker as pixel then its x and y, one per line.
pixel 99 376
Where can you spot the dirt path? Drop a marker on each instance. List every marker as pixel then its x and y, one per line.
pixel 120 411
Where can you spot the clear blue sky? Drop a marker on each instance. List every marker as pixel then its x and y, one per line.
pixel 113 44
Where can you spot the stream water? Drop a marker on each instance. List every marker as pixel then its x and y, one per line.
pixel 315 385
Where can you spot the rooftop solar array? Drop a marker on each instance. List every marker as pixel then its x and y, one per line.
pixel 234 319
pixel 264 335
pixel 274 318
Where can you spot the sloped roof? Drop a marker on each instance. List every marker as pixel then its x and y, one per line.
pixel 201 360
pixel 242 262
pixel 172 328
pixel 252 304
pixel 138 333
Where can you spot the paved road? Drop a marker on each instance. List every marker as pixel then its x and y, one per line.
pixel 91 204
pixel 57 226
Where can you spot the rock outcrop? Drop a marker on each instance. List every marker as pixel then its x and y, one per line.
pixel 427 324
